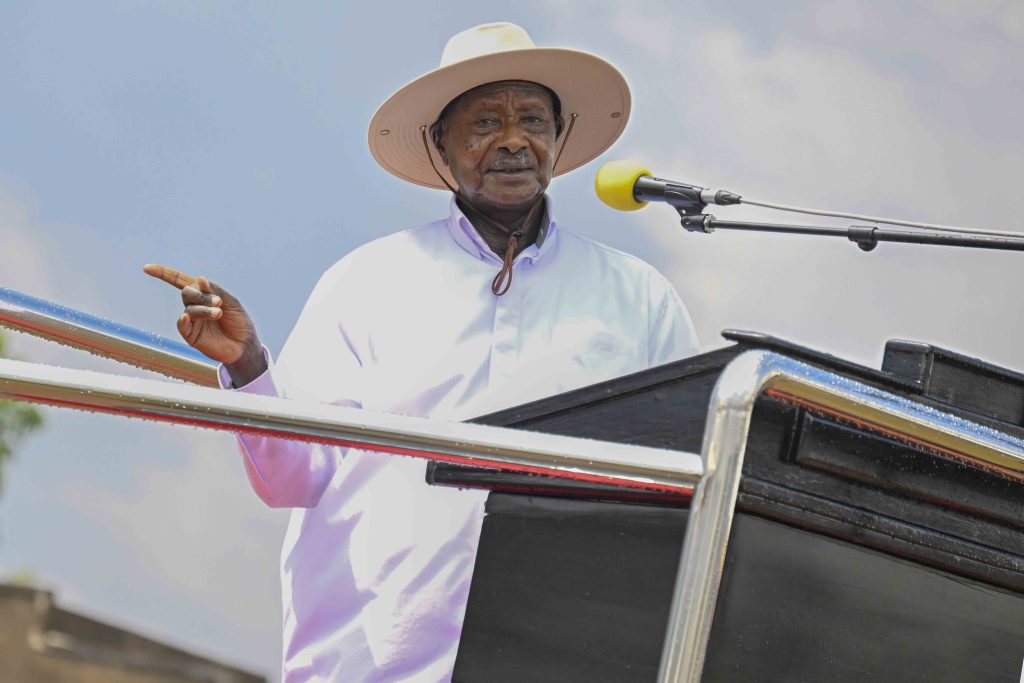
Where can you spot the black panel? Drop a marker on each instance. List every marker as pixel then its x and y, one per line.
pixel 569 591
pixel 892 465
pixel 812 471
pixel 797 606
pixel 958 380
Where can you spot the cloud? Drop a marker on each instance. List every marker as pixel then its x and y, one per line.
pixel 812 117
pixel 24 264
pixel 31 264
pixel 197 534
pixel 820 123
pixel 1002 17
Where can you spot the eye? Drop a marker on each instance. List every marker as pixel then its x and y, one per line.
pixel 485 121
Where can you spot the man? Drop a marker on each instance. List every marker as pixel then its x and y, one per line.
pixel 493 306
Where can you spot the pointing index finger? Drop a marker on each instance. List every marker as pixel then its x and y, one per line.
pixel 169 275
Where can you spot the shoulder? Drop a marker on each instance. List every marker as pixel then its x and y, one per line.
pixel 375 258
pixel 622 263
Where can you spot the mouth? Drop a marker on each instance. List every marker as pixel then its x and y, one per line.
pixel 511 172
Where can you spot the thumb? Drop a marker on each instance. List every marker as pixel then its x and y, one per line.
pixel 213 288
pixel 207 287
pixel 185 328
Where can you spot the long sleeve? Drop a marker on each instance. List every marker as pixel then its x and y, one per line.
pixel 318 365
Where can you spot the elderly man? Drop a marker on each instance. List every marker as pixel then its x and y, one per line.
pixel 495 305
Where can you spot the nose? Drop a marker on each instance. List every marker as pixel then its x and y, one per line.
pixel 512 138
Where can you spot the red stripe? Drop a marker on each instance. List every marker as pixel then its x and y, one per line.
pixel 680 490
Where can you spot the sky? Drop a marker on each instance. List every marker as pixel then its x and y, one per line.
pixel 229 139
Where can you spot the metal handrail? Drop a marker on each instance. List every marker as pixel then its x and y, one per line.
pixel 746 378
pixel 508 449
pixel 103 337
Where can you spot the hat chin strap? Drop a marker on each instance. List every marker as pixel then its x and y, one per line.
pixel 503 280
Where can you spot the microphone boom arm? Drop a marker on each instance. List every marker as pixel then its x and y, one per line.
pixel 866 237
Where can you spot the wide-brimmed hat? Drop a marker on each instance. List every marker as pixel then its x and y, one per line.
pixel 587 86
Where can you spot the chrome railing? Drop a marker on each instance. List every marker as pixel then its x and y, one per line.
pixel 716 472
pixel 562 456
pixel 103 337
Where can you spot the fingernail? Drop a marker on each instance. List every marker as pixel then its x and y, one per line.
pixel 216 301
pixel 217 313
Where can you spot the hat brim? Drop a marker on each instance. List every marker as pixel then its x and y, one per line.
pixel 586 85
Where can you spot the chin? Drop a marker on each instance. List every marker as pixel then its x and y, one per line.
pixel 511 198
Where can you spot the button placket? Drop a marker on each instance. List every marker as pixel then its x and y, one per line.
pixel 507 317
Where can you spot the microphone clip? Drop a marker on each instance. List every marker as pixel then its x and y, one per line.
pixel 687 199
pixel 697 223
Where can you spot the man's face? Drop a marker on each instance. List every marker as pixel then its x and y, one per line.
pixel 499 145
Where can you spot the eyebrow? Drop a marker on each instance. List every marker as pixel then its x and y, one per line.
pixel 524 104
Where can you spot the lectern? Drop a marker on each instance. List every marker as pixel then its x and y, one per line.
pixel 857 552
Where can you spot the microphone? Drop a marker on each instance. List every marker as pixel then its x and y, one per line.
pixel 629 185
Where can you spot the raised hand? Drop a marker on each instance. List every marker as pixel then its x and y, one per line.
pixel 215 323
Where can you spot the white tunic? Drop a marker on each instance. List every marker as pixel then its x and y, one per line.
pixel 376 564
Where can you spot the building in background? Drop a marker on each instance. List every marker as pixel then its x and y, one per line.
pixel 40 642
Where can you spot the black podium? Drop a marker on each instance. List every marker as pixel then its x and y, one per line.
pixel 854 554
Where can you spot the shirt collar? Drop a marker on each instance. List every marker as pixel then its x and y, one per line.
pixel 466 236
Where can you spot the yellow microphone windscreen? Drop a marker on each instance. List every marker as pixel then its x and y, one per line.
pixel 614 184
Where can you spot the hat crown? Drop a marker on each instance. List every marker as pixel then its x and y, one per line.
pixel 485 39
pixel 589 88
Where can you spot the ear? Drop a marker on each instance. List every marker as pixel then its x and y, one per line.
pixel 436 133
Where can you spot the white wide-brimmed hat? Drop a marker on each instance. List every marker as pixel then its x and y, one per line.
pixel 587 86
